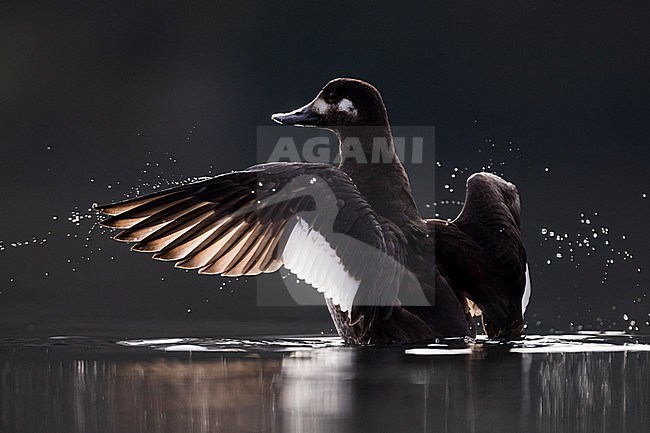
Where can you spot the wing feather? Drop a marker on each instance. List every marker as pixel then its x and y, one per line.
pixel 488 231
pixel 308 217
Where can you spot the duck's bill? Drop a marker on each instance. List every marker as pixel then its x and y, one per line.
pixel 303 116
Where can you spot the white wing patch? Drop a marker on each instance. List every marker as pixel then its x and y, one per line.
pixel 527 291
pixel 308 255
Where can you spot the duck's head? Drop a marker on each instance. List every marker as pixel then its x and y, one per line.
pixel 343 102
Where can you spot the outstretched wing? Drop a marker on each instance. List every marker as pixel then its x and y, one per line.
pixel 488 231
pixel 308 217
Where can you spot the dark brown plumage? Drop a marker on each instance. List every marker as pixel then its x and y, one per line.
pixel 352 231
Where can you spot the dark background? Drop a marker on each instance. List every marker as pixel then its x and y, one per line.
pixel 98 101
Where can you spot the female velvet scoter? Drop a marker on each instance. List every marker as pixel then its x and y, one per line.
pixel 353 232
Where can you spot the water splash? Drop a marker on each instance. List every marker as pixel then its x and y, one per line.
pixel 496 158
pixel 599 243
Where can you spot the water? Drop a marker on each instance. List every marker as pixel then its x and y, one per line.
pixel 587 274
pixel 588 382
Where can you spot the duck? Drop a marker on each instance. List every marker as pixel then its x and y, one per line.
pixel 352 231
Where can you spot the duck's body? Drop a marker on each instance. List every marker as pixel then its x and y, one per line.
pixel 352 231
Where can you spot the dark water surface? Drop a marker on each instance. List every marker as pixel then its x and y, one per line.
pixel 572 383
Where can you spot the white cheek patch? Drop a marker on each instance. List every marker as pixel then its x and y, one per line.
pixel 320 106
pixel 347 106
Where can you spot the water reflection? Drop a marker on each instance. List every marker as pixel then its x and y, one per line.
pixel 334 389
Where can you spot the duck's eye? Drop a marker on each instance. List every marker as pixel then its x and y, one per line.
pixel 332 96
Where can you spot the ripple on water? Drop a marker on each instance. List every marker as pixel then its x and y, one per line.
pixel 230 345
pixel 611 341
